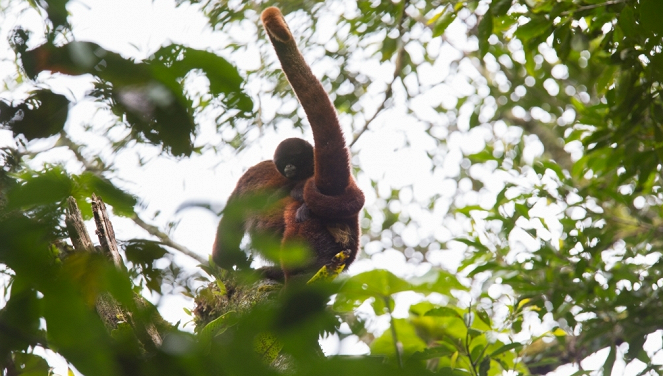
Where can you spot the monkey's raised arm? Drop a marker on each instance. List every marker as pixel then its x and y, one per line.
pixel 332 157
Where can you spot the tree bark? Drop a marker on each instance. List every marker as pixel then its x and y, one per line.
pixel 110 311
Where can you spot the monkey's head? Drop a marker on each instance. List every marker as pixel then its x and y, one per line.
pixel 294 159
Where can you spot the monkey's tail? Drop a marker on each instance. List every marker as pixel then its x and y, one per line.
pixel 332 158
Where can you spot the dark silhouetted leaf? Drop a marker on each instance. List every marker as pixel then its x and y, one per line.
pixel 43 114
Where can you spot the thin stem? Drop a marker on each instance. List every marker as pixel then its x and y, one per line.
pixel 397 72
pixel 387 96
pixel 394 335
pixel 165 239
pixel 468 324
pixel 592 6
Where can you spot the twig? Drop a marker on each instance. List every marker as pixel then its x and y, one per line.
pixel 75 148
pixel 591 6
pixel 397 72
pixel 393 332
pixel 165 239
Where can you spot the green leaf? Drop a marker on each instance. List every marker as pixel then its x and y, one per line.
pixel 606 79
pixel 483 316
pixel 443 22
pixel 217 326
pixel 389 47
pixel 407 336
pixel 30 364
pixel 484 32
pixel 500 7
pixel 140 251
pixel 484 367
pixel 223 76
pixel 122 202
pixel 650 12
pixel 610 361
pixel 444 312
pixel 382 306
pixel 535 27
pixel 523 210
pixel 554 167
pixel 474 118
pixel 377 284
pixel 505 348
pixel 530 64
pixel 562 40
pixel 627 22
pixel 432 353
pixel 482 156
pixel 48 187
pixel 473 243
pixel 436 281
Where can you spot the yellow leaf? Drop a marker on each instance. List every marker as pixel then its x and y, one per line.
pixel 559 332
pixel 435 17
pixel 454 358
pixel 523 302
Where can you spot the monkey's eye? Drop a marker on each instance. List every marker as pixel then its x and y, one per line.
pixel 289 171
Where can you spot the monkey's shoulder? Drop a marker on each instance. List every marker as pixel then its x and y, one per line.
pixel 262 176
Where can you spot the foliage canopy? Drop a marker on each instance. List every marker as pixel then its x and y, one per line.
pixel 558 214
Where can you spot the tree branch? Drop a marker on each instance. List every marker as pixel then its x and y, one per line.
pixel 166 240
pixel 109 309
pixel 591 6
pixel 152 230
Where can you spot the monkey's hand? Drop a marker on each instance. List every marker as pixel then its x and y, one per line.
pixel 303 213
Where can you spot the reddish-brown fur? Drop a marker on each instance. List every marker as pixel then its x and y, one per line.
pixel 261 179
pixel 331 194
pixel 331 223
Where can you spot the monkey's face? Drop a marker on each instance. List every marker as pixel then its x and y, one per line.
pixel 294 159
pixel 290 171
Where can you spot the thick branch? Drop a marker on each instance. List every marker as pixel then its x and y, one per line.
pixel 109 310
pixel 105 232
pixel 76 227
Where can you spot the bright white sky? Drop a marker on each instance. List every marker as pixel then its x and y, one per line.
pixel 137 28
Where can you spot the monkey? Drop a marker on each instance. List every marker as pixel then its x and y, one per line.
pixel 320 202
pixel 328 219
pixel 272 183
